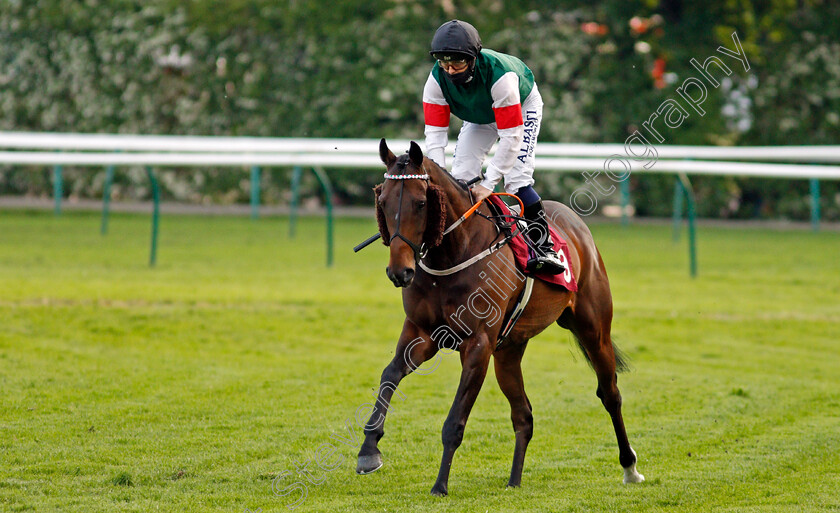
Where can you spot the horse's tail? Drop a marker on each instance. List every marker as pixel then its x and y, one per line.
pixel 622 362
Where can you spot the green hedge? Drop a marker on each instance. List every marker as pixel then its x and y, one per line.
pixel 356 69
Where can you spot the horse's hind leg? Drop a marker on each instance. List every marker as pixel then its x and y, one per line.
pixel 591 325
pixel 509 375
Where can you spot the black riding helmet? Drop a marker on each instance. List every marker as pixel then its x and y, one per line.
pixel 457 40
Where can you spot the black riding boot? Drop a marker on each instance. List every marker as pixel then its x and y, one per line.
pixel 543 258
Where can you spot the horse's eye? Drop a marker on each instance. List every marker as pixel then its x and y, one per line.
pixel 421 204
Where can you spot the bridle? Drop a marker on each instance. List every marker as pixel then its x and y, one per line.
pixel 421 250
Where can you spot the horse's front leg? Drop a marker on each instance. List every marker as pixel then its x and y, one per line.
pixel 475 357
pixel 413 348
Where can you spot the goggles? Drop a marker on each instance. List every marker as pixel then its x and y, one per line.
pixel 455 65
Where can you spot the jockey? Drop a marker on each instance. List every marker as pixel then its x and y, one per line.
pixel 496 97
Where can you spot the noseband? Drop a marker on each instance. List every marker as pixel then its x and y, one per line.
pixel 421 250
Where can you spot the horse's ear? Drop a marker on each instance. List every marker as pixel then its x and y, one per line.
pixel 380 216
pixel 385 154
pixel 415 154
pixel 436 220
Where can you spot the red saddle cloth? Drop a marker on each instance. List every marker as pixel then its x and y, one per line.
pixel 520 253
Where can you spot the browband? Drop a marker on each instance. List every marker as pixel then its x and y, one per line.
pixel 405 177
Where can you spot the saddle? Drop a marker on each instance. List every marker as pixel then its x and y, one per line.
pixel 506 218
pixel 503 216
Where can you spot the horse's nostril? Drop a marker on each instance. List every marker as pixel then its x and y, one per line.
pixel 408 275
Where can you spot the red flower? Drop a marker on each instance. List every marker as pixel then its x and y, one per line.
pixel 594 29
pixel 639 25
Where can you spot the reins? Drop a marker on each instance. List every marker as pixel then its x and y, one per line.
pixel 472 210
pixel 420 251
pixel 477 258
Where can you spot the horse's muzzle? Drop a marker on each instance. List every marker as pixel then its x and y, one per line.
pixel 402 278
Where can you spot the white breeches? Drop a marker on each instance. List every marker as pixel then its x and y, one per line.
pixel 475 142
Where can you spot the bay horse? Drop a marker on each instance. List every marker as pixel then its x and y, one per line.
pixel 415 205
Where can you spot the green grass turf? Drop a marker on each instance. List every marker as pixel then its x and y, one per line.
pixel 192 386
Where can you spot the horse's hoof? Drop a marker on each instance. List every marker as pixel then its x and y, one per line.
pixel 368 464
pixel 439 491
pixel 631 475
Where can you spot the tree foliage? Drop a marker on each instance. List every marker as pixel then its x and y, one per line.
pixel 349 68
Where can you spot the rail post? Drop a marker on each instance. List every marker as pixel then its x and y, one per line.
pixel 155 215
pixel 255 191
pixel 815 204
pixel 325 184
pixel 678 208
pixel 58 188
pixel 106 198
pixel 692 230
pixel 625 200
pixel 297 171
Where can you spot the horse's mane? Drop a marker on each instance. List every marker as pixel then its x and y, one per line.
pixel 461 185
pixel 404 160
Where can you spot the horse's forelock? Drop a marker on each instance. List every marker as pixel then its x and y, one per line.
pixel 380 217
pixel 402 163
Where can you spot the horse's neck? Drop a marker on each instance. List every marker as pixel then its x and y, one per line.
pixel 457 200
pixel 472 236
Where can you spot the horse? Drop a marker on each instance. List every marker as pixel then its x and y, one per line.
pixel 421 216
